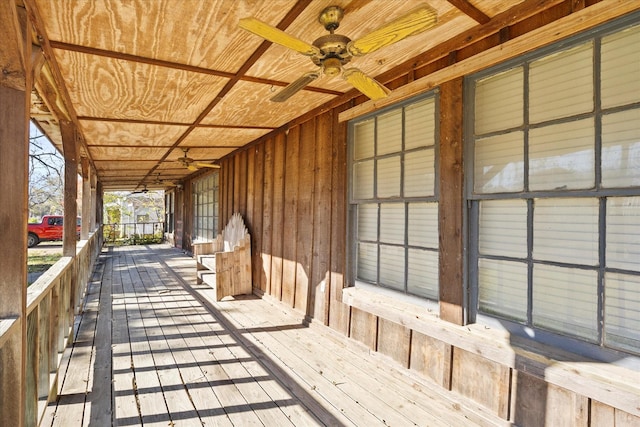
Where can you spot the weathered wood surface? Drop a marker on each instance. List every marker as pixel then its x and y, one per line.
pixel 177 357
pixel 225 263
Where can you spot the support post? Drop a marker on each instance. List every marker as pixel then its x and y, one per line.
pixel 15 91
pixel 70 146
pixel 451 204
pixel 86 199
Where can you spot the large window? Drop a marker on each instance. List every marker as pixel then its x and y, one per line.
pixel 170 209
pixel 555 189
pixel 393 201
pixel 205 208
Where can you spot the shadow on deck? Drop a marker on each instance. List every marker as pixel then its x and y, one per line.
pixel 152 348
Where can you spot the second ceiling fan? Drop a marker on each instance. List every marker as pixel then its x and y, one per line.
pixel 330 52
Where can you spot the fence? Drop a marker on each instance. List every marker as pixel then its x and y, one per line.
pixel 133 233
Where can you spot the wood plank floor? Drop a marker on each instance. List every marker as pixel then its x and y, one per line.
pixel 152 348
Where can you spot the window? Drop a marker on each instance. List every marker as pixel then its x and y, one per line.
pixel 169 202
pixel 555 190
pixel 205 208
pixel 393 200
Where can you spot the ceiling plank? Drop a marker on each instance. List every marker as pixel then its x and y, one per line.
pixel 284 23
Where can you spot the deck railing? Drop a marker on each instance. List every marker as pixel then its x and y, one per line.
pixel 52 303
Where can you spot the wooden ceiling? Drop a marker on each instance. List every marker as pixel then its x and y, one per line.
pixel 145 79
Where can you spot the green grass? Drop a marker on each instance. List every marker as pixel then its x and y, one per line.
pixel 41 263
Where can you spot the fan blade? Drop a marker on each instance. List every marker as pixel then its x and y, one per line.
pixel 365 84
pixel 192 168
pixel 275 35
pixel 207 165
pixel 420 19
pixel 294 87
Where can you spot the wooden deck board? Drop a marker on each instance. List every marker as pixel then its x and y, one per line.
pixel 176 357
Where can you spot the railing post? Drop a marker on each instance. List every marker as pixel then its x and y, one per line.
pixel 15 92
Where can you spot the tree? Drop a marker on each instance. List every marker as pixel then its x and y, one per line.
pixel 46 184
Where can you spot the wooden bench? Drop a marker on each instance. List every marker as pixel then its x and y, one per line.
pixel 225 263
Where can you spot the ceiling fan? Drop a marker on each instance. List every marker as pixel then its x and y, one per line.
pixel 166 182
pixel 330 52
pixel 144 190
pixel 192 165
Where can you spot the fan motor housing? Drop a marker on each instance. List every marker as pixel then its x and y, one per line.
pixel 332 46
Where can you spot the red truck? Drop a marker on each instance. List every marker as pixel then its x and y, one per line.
pixel 50 228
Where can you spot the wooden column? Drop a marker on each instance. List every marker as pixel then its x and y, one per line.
pixel 94 201
pixel 70 147
pixel 451 205
pixel 15 90
pixel 86 199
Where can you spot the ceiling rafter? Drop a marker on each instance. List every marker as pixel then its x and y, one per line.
pixel 470 10
pixel 173 65
pixel 293 13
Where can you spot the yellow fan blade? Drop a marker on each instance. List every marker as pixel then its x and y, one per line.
pixel 418 20
pixel 365 84
pixel 207 165
pixel 275 35
pixel 192 168
pixel 294 87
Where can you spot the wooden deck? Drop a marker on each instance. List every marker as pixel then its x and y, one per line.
pixel 152 349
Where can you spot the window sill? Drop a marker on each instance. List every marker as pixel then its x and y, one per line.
pixel 605 382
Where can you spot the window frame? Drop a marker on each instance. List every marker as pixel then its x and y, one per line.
pixel 205 208
pixel 599 349
pixel 352 202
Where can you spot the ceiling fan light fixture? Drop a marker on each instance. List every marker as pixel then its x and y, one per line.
pixel 332 67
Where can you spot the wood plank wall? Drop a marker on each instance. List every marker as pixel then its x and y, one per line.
pixel 290 189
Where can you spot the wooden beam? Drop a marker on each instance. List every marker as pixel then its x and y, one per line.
pixel 12 72
pixel 70 145
pixel 15 89
pixel 86 199
pixel 470 10
pixel 565 27
pixel 451 203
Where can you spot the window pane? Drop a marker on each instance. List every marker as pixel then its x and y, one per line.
pixel 392 224
pixel 503 288
pixel 389 177
pixel 623 233
pixel 392 266
pixel 561 84
pixel 621 68
pixel 499 102
pixel 363 180
pixel 621 148
pixel 368 222
pixel 389 132
pixel 566 230
pixel 566 300
pixel 419 124
pixel 419 173
pixel 423 225
pixel 422 273
pixel 622 311
pixel 561 157
pixel 363 139
pixel 503 228
pixel 499 163
pixel 367 262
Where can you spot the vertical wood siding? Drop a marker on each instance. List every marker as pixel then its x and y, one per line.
pixel 290 189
